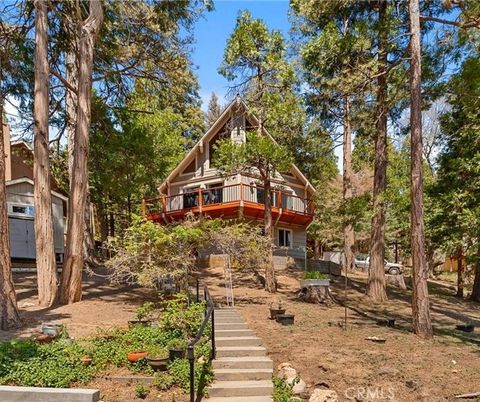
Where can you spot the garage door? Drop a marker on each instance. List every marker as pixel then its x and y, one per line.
pixel 22 238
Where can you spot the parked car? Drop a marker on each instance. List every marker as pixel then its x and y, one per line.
pixel 392 268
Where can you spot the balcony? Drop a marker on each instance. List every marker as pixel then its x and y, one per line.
pixel 233 201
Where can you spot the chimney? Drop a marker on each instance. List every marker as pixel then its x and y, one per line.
pixel 8 155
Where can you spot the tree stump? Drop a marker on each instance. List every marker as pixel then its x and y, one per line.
pixel 315 294
pixel 396 280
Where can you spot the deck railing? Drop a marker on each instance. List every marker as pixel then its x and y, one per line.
pixel 202 198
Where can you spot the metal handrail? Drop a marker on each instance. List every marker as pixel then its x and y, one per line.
pixel 209 313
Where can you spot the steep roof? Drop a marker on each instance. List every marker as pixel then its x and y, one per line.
pixel 231 110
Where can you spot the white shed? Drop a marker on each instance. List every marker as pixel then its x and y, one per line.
pixel 21 217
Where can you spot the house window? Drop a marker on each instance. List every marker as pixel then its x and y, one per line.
pixel 213 194
pixel 190 197
pixel 261 196
pixel 24 210
pixel 287 201
pixel 284 238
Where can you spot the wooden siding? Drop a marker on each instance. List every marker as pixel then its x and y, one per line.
pixel 22 193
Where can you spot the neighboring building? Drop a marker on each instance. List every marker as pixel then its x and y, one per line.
pixel 20 205
pixel 195 186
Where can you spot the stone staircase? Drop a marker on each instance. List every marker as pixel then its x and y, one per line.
pixel 243 372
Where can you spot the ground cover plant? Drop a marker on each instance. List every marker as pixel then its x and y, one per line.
pixel 61 362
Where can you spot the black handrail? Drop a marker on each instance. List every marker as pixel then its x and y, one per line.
pixel 209 313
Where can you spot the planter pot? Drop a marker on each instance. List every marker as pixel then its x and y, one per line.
pixel 176 354
pixel 466 327
pixel 51 329
pixel 134 357
pixel 86 360
pixel 274 312
pixel 158 363
pixel 45 338
pixel 144 323
pixel 286 319
pixel 314 282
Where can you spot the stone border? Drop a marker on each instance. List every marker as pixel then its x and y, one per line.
pixel 37 394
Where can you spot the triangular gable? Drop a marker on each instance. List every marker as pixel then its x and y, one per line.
pixel 229 111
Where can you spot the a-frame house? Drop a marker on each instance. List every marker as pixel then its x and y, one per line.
pixel 196 186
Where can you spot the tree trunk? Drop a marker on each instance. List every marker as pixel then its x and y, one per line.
pixel 348 233
pixel 71 290
pixel 8 301
pixel 422 325
pixel 89 241
pixel 376 272
pixel 270 284
pixel 111 223
pixel 460 272
pixel 475 296
pixel 44 239
pixel 71 108
pixel 317 254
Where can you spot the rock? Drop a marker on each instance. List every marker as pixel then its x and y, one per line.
pixel 323 395
pixel 323 367
pixel 286 371
pixel 388 371
pixel 300 387
pixel 412 384
pixel 290 375
pixel 26 304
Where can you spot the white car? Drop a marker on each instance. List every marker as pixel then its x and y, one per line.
pixel 392 268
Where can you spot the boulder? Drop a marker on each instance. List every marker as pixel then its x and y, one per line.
pixel 286 371
pixel 299 388
pixel 323 395
pixel 290 376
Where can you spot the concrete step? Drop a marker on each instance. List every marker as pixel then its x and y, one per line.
pixel 247 362
pixel 240 399
pixel 238 341
pixel 243 374
pixel 229 320
pixel 240 388
pixel 227 326
pixel 226 311
pixel 225 333
pixel 240 351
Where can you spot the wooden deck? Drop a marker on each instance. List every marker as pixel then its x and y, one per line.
pixel 233 201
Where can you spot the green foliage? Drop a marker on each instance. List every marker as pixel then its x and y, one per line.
pixel 180 320
pixel 454 220
pixel 258 153
pixel 282 392
pixel 145 310
pixel 147 252
pixel 58 364
pixel 315 275
pixel 142 390
pixel 255 61
pixel 214 110
pixel 24 362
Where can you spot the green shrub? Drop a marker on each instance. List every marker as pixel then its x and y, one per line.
pixel 58 364
pixel 282 392
pixel 315 275
pixel 52 365
pixel 141 390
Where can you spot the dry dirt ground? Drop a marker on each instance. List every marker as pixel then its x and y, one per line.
pixel 405 368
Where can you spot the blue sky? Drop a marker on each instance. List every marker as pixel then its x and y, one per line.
pixel 212 31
